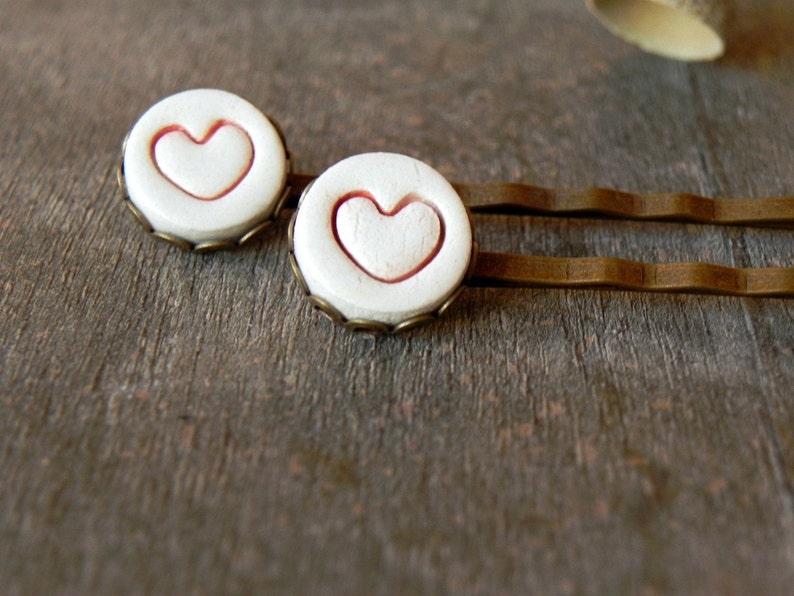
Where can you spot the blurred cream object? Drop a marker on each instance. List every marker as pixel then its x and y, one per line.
pixel 690 30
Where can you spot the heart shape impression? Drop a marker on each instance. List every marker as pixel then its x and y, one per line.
pixel 389 246
pixel 207 168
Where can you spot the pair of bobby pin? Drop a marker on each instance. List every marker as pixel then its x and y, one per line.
pixel 382 241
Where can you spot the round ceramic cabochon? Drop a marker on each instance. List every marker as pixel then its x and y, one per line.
pixel 382 237
pixel 205 166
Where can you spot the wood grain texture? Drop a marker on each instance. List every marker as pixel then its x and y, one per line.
pixel 180 423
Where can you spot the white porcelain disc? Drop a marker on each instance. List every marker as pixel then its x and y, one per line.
pixel 382 237
pixel 205 166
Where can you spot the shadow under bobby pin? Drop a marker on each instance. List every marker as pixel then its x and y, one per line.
pixel 382 241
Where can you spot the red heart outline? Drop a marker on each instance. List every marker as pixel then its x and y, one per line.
pixel 402 204
pixel 203 141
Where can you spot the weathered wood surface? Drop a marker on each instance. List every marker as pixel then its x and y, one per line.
pixel 176 423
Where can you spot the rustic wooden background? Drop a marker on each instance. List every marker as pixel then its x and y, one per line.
pixel 177 423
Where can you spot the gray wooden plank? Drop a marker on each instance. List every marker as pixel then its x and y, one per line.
pixel 185 423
